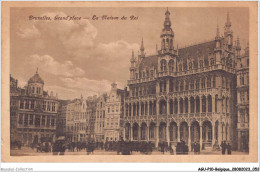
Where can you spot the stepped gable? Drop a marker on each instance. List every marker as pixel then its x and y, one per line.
pixel 148 62
pixel 197 50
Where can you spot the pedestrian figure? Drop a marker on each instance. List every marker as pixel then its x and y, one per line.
pixel 223 147
pixel 229 149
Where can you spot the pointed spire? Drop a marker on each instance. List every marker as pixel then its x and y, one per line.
pixel 142 48
pixel 217 35
pixel 142 45
pixel 177 50
pixel 167 22
pixel 133 55
pixel 228 23
pixel 37 70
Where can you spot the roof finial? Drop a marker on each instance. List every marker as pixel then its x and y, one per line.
pixel 37 70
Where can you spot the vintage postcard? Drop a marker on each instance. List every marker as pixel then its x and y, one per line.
pixel 129 82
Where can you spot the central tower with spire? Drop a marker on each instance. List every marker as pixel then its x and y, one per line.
pixel 167 35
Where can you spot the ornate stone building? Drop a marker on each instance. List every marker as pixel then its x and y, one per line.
pixel 100 118
pixel 183 93
pixel 243 100
pixel 91 114
pixel 33 111
pixel 77 120
pixel 114 114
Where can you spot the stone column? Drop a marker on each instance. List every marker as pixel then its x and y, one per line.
pixel 195 105
pixel 200 104
pixel 179 132
pixel 179 106
pixel 207 104
pixel 200 136
pixel 33 119
pixel 140 109
pixel 220 133
pixel 124 133
pixel 213 134
pixel 168 107
pixel 148 108
pixel 131 133
pixel 157 87
pixel 132 111
pixel 189 138
pixel 41 120
pixel 148 133
pixel 189 109
pixel 139 133
pixel 157 108
pixel 167 133
pixel 157 136
pixel 213 103
pixel 167 86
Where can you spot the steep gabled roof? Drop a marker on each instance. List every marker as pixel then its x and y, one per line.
pixel 197 50
pixel 149 62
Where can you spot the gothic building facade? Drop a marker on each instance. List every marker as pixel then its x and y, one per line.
pixel 185 93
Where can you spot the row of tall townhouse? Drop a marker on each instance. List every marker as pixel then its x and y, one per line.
pixel 187 93
pixel 33 112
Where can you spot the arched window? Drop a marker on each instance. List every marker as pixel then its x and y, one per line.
pixel 171 85
pixel 203 104
pixel 197 84
pixel 186 85
pixel 201 63
pixel 181 105
pixel 216 103
pixel 191 105
pixel 202 82
pixel 197 104
pixel 163 65
pixel 190 65
pixel 214 81
pixel 180 67
pixel 208 81
pixel 209 103
pixel 171 66
pixel 181 86
pixel 192 84
pixel 177 86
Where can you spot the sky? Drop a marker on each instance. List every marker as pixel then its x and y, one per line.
pixel 85 56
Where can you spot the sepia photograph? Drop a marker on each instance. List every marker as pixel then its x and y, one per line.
pixel 111 80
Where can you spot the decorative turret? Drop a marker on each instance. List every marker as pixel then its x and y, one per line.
pixel 167 35
pixel 238 48
pixel 133 63
pixel 142 54
pixel 228 33
pixel 35 85
pixel 217 34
